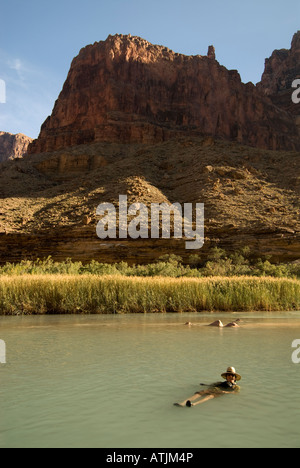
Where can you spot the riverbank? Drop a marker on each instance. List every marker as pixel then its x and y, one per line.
pixel 94 294
pixel 218 263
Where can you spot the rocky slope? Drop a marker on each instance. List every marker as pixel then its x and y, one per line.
pixel 127 90
pixel 13 146
pixel 49 201
pixel 281 69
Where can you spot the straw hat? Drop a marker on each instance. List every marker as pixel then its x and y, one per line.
pixel 231 370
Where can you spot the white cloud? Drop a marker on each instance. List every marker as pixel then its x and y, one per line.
pixel 16 65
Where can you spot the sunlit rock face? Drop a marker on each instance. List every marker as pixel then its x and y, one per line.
pixel 127 90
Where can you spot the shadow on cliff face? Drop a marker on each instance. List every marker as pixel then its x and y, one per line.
pixel 251 198
pixel 240 186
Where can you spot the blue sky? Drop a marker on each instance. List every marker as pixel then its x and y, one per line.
pixel 39 39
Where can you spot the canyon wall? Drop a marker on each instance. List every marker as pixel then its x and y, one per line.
pixel 281 70
pixel 127 90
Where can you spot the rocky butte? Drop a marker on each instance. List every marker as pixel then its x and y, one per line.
pixel 13 146
pixel 281 69
pixel 127 90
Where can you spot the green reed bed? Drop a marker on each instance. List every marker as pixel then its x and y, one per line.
pixel 91 294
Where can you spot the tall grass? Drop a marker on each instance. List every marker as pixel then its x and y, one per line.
pixel 93 294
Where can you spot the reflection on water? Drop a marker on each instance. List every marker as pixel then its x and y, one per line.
pixel 111 381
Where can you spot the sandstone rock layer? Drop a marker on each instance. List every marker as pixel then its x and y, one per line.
pixel 281 70
pixel 49 201
pixel 127 90
pixel 13 146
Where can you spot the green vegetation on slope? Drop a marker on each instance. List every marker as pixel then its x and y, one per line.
pixel 218 264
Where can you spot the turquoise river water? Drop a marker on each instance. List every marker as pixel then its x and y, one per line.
pixel 111 381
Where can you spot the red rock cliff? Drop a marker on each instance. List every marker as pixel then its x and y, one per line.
pixel 281 69
pixel 13 146
pixel 127 90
